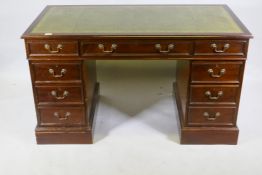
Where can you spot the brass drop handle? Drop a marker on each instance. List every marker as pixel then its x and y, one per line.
pixel 54 94
pixel 65 117
pixel 169 48
pixel 216 50
pixel 52 72
pixel 221 73
pixel 211 117
pixel 209 95
pixel 58 48
pixel 102 47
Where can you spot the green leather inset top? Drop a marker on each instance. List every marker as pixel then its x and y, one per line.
pixel 154 19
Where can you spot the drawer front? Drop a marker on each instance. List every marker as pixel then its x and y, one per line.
pixel 54 72
pixel 211 116
pixel 133 48
pixel 59 94
pixel 216 72
pixel 221 47
pixel 61 116
pixel 214 94
pixel 52 48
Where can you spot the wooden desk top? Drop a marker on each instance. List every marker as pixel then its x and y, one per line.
pixel 175 20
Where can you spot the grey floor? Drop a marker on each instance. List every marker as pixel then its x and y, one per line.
pixel 136 127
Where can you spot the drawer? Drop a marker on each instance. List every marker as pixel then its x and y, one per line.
pixel 136 48
pixel 211 116
pixel 221 47
pixel 59 94
pixel 214 94
pixel 216 72
pixel 55 71
pixel 52 48
pixel 61 116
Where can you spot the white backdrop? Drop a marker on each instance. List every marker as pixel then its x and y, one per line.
pixel 136 140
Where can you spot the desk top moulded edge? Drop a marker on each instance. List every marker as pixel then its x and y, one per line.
pixel 244 35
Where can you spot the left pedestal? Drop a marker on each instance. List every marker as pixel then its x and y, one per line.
pixel 65 94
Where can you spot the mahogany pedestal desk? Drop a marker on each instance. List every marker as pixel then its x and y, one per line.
pixel 209 42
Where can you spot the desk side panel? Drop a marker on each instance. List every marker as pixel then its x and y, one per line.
pixel 181 88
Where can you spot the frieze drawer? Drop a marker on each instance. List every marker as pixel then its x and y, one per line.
pixel 221 47
pixel 52 48
pixel 139 48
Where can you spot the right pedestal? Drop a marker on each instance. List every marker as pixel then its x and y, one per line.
pixel 207 95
